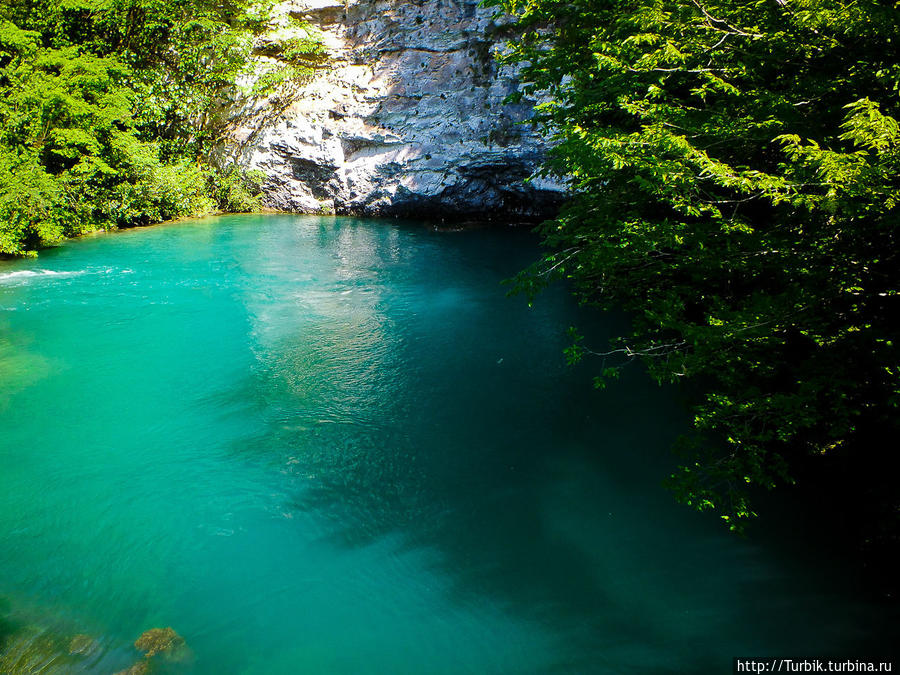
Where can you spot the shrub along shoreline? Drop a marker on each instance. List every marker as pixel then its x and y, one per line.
pixel 110 112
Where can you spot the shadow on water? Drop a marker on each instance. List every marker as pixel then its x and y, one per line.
pixel 442 415
pixel 7 625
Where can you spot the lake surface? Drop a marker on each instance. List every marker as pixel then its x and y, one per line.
pixel 329 445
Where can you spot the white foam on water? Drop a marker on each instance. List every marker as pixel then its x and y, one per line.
pixel 23 276
pixel 37 273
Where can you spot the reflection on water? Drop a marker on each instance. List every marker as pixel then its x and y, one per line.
pixel 334 446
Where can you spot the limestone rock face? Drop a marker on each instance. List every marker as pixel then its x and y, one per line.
pixel 407 118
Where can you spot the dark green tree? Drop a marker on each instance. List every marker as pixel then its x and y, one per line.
pixel 70 158
pixel 735 169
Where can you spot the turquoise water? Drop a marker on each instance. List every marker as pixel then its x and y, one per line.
pixel 327 445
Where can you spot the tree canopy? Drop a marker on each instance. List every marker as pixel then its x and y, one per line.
pixel 110 109
pixel 735 169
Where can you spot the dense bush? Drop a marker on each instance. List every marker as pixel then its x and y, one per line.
pixel 109 111
pixel 736 170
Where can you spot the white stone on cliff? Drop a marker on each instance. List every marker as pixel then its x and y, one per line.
pixel 407 118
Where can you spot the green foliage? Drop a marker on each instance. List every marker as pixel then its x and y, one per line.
pixel 109 110
pixel 70 158
pixel 298 57
pixel 237 191
pixel 305 49
pixel 735 170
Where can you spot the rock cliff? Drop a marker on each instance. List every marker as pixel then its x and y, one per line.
pixel 405 118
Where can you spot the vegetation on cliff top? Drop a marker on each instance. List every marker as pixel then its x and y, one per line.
pixel 110 109
pixel 736 170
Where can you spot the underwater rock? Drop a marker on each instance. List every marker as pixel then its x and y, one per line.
pixel 157 640
pixel 32 650
pixel 142 667
pixel 82 645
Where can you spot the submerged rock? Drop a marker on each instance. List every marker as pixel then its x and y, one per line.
pixel 34 650
pixel 82 644
pixel 159 640
pixel 140 668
